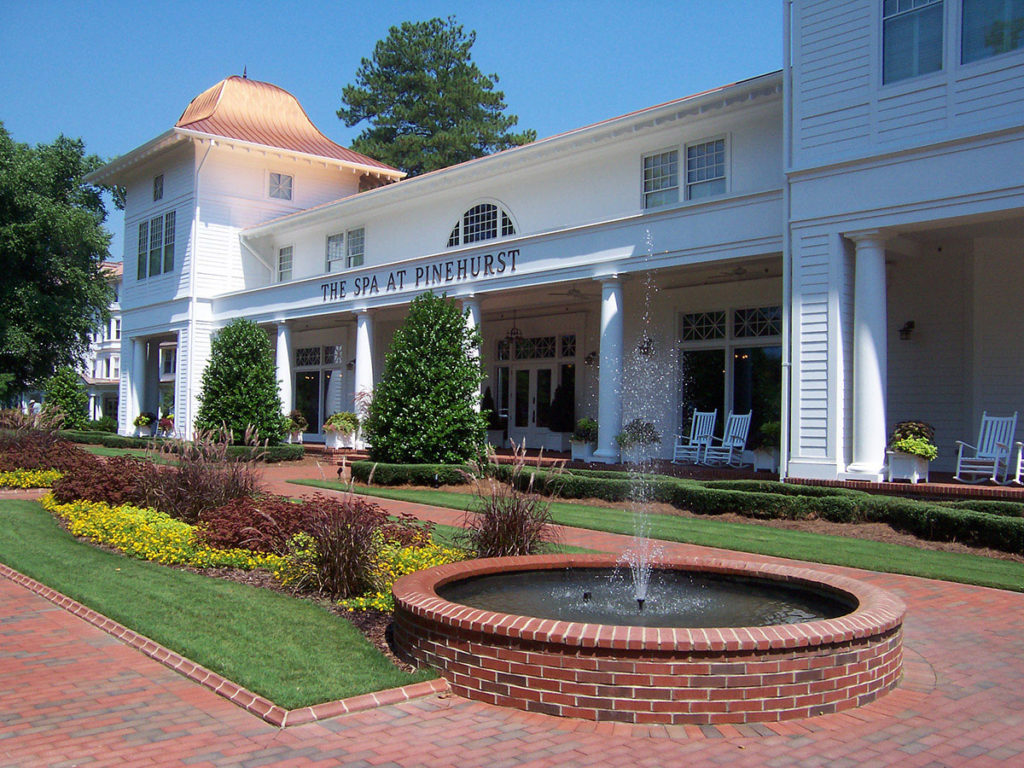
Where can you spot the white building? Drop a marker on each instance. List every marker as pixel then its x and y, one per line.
pixel 101 365
pixel 758 246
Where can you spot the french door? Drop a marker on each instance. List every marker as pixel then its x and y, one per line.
pixel 530 396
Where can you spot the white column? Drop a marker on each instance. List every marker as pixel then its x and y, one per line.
pixel 92 407
pixel 609 406
pixel 471 308
pixel 364 359
pixel 869 356
pixel 137 384
pixel 284 366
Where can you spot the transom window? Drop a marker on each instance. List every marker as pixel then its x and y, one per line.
pixel 307 356
pixel 661 179
pixel 484 221
pixel 284 264
pixel 537 347
pixel 911 38
pixel 991 27
pixel 703 326
pixel 705 169
pixel 156 246
pixel 280 186
pixel 756 322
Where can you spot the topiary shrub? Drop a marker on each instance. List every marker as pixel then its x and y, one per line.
pixel 424 408
pixel 239 387
pixel 64 390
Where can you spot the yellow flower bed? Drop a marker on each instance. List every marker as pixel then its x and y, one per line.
pixel 29 478
pixel 150 535
pixel 393 561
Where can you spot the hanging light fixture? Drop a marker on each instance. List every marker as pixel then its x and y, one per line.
pixel 514 334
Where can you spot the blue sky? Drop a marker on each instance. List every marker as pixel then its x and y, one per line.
pixel 119 73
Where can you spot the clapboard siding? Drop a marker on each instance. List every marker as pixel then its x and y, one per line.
pixel 812 352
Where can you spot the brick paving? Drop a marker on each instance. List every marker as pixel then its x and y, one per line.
pixel 72 694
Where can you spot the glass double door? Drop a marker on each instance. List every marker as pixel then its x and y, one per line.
pixel 318 394
pixel 531 395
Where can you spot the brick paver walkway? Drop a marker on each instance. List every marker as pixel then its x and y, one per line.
pixel 70 694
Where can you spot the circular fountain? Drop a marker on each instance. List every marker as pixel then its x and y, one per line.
pixel 713 641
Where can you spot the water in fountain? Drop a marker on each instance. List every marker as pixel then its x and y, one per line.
pixel 647 386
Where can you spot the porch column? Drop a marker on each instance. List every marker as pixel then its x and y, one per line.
pixel 471 308
pixel 137 383
pixel 284 366
pixel 869 357
pixel 92 406
pixel 609 406
pixel 364 361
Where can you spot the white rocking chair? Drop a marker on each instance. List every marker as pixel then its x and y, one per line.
pixel 991 456
pixel 1020 465
pixel 730 446
pixel 701 429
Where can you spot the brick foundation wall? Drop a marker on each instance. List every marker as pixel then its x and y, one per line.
pixel 653 675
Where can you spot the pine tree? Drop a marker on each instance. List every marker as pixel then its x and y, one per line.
pixel 240 386
pixel 428 105
pixel 424 409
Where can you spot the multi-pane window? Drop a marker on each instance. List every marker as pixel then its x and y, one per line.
pixel 661 179
pixel 335 252
pixel 156 246
pixel 705 169
pixel 354 249
pixel 284 264
pixel 116 365
pixel 306 356
pixel 168 360
pixel 481 222
pixel 536 347
pixel 158 187
pixel 703 326
pixel 756 322
pixel 991 27
pixel 911 38
pixel 280 186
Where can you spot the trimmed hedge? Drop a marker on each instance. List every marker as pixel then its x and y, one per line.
pixel 274 453
pixel 410 474
pixel 995 525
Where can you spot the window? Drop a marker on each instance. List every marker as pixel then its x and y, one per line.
pixel 168 360
pixel 703 326
pixel 757 322
pixel 284 264
pixel 991 27
pixel 911 38
pixel 661 179
pixel 705 169
pixel 106 368
pixel 156 246
pixel 158 187
pixel 335 252
pixel 117 328
pixel 117 367
pixel 280 186
pixel 354 251
pixel 485 221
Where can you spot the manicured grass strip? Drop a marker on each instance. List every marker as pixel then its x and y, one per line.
pixel 743 537
pixel 291 651
pixel 142 453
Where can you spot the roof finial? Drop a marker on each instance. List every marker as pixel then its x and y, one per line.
pixel 245 76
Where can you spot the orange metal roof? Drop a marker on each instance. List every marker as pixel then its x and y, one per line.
pixel 261 113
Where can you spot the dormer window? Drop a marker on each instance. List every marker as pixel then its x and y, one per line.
pixel 485 221
pixel 280 186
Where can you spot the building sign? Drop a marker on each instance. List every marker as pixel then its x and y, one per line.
pixel 429 275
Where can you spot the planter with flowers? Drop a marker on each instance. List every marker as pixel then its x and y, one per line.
pixel 911 447
pixel 583 440
pixel 166 425
pixel 765 446
pixel 296 425
pixel 144 424
pixel 342 430
pixel 637 440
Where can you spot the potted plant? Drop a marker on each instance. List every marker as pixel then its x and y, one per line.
pixel 636 441
pixel 296 425
pixel 144 424
pixel 341 429
pixel 584 439
pixel 562 416
pixel 911 447
pixel 166 425
pixel 495 424
pixel 765 445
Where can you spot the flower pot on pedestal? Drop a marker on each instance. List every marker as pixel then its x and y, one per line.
pixel 907 466
pixel 582 450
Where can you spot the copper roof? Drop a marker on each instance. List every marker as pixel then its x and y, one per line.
pixel 113 268
pixel 261 113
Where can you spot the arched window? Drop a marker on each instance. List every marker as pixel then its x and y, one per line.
pixel 484 221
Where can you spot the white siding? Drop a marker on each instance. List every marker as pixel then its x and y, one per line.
pixel 811 301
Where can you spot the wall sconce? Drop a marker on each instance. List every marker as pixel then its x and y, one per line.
pixel 590 360
pixel 351 364
pixel 645 347
pixel 906 330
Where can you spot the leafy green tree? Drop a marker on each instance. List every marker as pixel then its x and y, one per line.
pixel 52 247
pixel 424 409
pixel 428 105
pixel 65 391
pixel 240 386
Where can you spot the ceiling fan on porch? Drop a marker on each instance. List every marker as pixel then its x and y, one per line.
pixel 573 292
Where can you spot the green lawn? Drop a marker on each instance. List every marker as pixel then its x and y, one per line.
pixel 288 650
pixel 799 545
pixel 142 453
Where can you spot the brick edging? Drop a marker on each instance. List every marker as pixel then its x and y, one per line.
pixel 236 694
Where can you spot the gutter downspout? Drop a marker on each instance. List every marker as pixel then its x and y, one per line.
pixel 189 400
pixel 787 254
